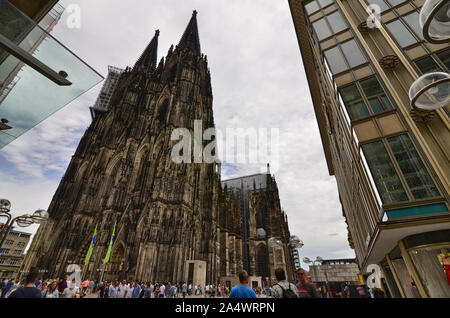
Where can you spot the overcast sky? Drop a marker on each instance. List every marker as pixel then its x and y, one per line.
pixel 258 81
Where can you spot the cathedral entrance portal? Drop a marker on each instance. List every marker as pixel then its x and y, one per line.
pixel 117 263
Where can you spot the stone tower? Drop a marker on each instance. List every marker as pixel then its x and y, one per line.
pixel 122 173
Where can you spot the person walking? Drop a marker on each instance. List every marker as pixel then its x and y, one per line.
pixel 162 291
pixel 85 286
pixel 305 288
pixel 62 284
pixel 361 291
pixel 113 291
pixel 28 290
pixel 184 289
pixel 7 288
pixel 129 290
pixel 141 294
pixel 122 289
pixel 136 292
pixel 283 289
pixel 101 290
pixel 346 291
pixel 51 291
pixel 148 291
pixel 42 287
pixel 70 292
pixel 242 290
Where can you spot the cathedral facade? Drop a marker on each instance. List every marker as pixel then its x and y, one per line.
pixel 122 176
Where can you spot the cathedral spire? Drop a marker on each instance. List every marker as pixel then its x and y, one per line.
pixel 190 39
pixel 149 57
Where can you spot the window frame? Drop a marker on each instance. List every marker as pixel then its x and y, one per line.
pixel 349 67
pixel 398 169
pixel 365 99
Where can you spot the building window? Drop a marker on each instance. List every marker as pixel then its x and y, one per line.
pixel 17 252
pixel 14 262
pixel 321 29
pixel 325 3
pixel 311 7
pixel 429 264
pixel 383 172
pixel 5 251
pixel 2 260
pixel 413 21
pixel 413 169
pixel 21 244
pixel 353 54
pixel 377 100
pixel 375 95
pixel 337 23
pixel 444 56
pixel 401 33
pixel 354 103
pixel 9 242
pixel 427 65
pixel 336 60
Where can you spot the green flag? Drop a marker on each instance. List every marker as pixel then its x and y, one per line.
pixel 113 236
pixel 91 247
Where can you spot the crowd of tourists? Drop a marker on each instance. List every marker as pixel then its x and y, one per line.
pixel 33 287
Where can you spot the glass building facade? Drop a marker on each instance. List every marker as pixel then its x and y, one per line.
pixel 28 95
pixel 390 161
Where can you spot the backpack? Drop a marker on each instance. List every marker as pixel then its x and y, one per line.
pixel 288 293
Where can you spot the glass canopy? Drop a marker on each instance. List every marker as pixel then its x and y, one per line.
pixel 26 96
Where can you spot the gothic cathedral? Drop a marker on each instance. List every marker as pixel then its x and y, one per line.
pixel 165 214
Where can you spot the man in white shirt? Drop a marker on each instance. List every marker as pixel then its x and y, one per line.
pixel 129 290
pixel 69 292
pixel 122 289
pixel 75 286
pixel 162 290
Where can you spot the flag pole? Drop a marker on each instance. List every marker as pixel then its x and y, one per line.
pixel 108 253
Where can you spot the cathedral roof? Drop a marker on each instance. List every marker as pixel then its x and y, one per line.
pixel 190 39
pixel 149 57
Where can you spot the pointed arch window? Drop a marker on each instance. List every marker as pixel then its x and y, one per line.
pixel 262 257
pixel 162 112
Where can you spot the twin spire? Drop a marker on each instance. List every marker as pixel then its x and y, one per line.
pixel 190 41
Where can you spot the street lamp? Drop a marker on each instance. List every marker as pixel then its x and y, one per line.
pixel 434 20
pixel 430 91
pixel 275 243
pixel 38 217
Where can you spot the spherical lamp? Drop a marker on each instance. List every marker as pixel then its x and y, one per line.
pixel 430 91
pixel 435 21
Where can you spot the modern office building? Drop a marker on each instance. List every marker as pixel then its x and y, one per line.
pixel 391 161
pixel 12 253
pixel 38 75
pixel 11 66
